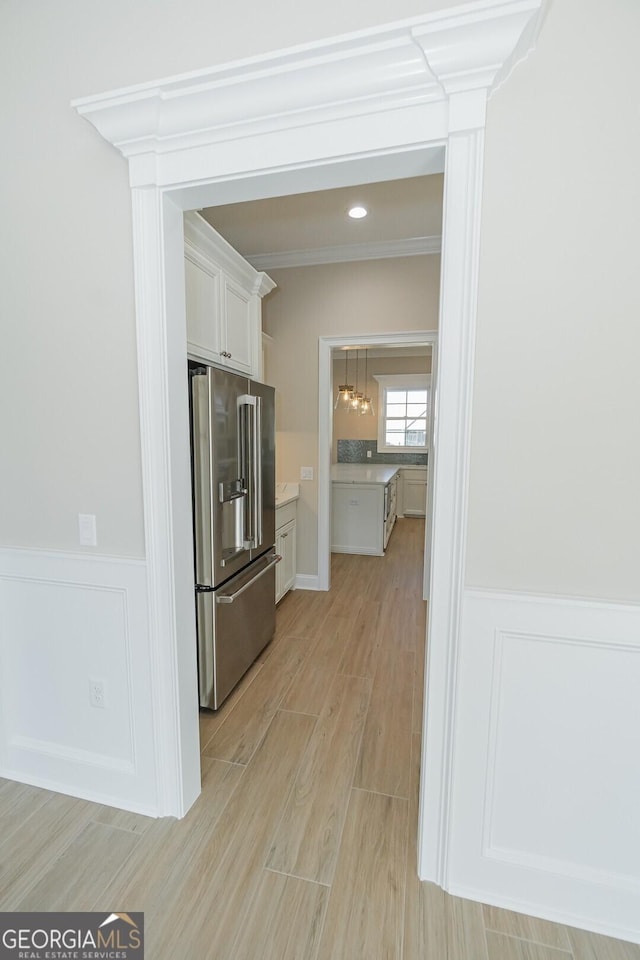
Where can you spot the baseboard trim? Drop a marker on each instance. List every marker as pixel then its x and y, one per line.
pixel 57 751
pixel 44 783
pixel 307 581
pixel 359 551
pixel 544 912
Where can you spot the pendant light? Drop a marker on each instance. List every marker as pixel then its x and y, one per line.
pixel 356 397
pixel 366 404
pixel 345 389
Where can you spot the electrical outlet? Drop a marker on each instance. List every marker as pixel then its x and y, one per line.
pixel 97 696
pixel 368 454
pixel 306 473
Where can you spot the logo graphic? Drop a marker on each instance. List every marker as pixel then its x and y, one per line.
pixel 119 916
pixel 71 936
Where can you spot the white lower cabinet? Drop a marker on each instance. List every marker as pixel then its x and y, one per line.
pixel 414 493
pixel 286 548
pixel 357 518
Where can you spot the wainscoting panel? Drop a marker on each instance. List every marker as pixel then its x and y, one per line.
pixel 547 769
pixel 68 622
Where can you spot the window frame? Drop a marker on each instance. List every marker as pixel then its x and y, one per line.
pixel 401 381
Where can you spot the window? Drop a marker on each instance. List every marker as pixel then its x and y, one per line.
pixel 404 410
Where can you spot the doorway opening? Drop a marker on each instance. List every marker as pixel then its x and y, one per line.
pixel 426 341
pixel 457 302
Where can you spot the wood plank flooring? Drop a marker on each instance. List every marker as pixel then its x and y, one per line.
pixel 302 845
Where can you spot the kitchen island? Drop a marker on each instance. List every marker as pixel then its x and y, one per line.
pixel 363 507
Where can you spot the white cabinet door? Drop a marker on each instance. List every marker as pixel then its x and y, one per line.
pixel 357 518
pixel 414 494
pixel 238 322
pixel 286 548
pixel 202 292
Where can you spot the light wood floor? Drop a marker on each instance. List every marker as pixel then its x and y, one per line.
pixel 302 845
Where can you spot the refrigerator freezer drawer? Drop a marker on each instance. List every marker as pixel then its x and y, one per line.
pixel 235 622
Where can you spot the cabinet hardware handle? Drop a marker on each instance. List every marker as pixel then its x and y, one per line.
pixel 283 535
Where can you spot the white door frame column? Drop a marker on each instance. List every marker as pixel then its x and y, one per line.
pixel 374 105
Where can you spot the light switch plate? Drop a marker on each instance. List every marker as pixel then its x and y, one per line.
pixel 306 473
pixel 87 529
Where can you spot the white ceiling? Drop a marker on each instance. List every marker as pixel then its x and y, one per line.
pixel 314 227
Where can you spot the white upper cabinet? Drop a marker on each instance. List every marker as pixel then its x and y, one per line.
pixel 202 293
pixel 240 332
pixel 223 300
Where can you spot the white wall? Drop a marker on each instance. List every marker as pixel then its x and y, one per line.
pixel 556 431
pixel 372 296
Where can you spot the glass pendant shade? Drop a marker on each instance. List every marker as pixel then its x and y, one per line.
pixel 366 407
pixel 344 396
pixel 355 401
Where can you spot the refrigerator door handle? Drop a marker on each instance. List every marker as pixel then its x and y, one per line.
pixel 257 467
pixel 230 597
pixel 249 416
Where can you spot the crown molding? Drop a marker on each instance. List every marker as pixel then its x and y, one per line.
pixel 416 62
pixel 201 237
pixel 478 48
pixel 345 253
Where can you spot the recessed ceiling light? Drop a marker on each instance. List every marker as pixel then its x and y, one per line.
pixel 357 213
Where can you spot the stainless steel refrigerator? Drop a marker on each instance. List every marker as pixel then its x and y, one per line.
pixel 233 469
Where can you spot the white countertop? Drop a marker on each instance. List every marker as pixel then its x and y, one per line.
pixel 363 472
pixel 286 492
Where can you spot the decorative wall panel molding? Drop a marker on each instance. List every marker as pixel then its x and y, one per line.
pixel 551 798
pixel 69 619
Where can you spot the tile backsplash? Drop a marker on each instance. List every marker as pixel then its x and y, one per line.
pixel 355 451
